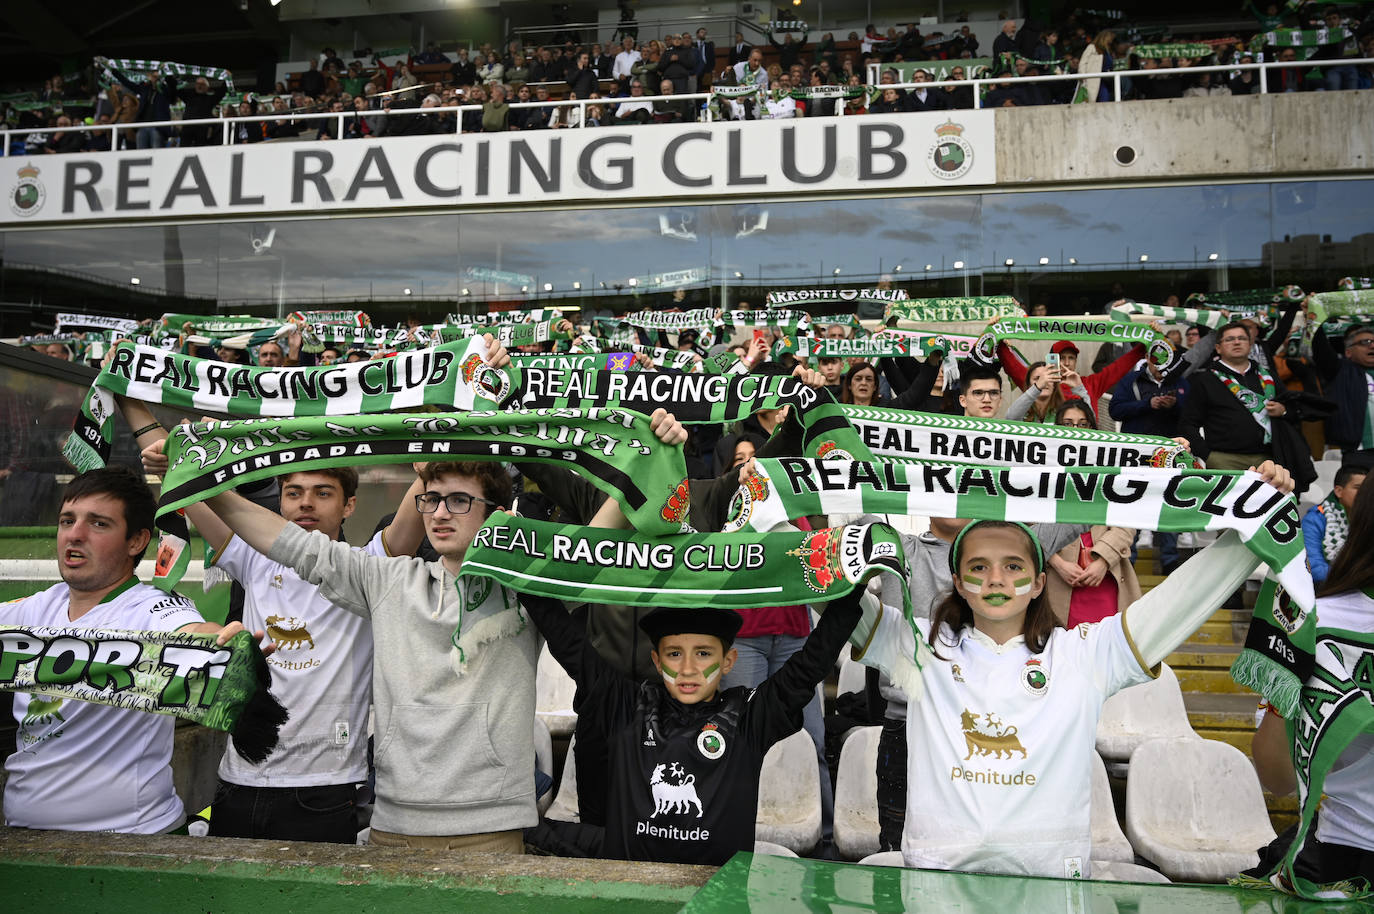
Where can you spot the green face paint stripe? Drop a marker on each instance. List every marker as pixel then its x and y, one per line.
pixel 710 671
pixel 668 672
pixel 970 579
pixel 1022 582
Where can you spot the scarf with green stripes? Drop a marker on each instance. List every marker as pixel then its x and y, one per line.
pixel 1158 349
pixel 509 335
pixel 953 310
pixel 803 297
pixel 1301 38
pixel 1335 708
pixel 1266 520
pixel 911 437
pixel 1337 526
pixel 1207 317
pixel 71 323
pixel 613 448
pixel 1344 284
pixel 529 316
pixel 1322 306
pixel 691 398
pixel 133 70
pixel 1172 49
pixel 676 359
pixel 224 687
pixel 451 375
pixel 878 346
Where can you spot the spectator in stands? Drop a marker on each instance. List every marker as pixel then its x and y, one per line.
pixel 740 50
pixel 958 96
pixel 1231 414
pixel 1325 526
pixel 705 50
pixel 677 64
pixel 1096 58
pixel 1043 394
pixel 1244 82
pixel 518 71
pixel 1349 381
pixel 329 58
pixel 154 104
pixel 1337 76
pixel 1143 405
pixel 283 127
pixel 200 102
pixel 789 49
pixel 634 110
pixel 523 118
pixel 463 72
pixel 1005 42
pixel 312 80
pixel 672 112
pixel 1204 87
pixel 1285 79
pixel 596 116
pixel 496 112
pixel 1096 384
pixel 603 62
pixel 780 104
pixel 752 70
pixel 582 78
pixel 920 99
pixel 67 141
pixel 244 131
pixel 1169 85
pixel 625 63
pixel 489 71
pixel 889 103
pixel 431 55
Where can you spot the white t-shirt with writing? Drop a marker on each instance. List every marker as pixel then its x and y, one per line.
pixel 321 673
pixel 998 749
pixel 80 766
pixel 1347 809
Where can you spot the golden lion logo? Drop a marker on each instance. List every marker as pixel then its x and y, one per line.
pixel 288 632
pixel 993 739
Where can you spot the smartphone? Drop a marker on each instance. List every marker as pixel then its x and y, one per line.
pixel 1052 361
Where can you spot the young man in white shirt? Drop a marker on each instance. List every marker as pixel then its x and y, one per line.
pixel 322 672
pixel 82 766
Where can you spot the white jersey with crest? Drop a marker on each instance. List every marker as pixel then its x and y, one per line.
pixel 998 749
pixel 321 673
pixel 81 766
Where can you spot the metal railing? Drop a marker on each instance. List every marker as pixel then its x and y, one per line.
pixel 659 27
pixel 340 119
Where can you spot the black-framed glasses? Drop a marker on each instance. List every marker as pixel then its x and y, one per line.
pixel 456 502
pixel 983 394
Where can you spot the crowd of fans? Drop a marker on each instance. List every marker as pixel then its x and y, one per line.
pixel 378 99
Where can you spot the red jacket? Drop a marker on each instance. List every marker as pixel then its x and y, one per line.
pixel 1097 384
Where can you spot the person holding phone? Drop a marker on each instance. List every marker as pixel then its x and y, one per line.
pixel 1044 393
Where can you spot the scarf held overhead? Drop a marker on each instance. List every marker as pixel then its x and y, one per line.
pixel 613 448
pixel 449 375
pixel 1157 347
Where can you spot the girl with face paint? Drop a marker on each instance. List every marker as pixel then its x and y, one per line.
pixel 1001 726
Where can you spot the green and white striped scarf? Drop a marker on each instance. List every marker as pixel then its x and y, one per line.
pixel 1266 520
pixel 1345 283
pixel 210 328
pixel 1207 317
pixel 348 318
pixel 878 346
pixel 911 437
pixel 1256 303
pixel 133 70
pixel 1322 306
pixel 692 399
pixel 803 297
pixel 623 359
pixel 178 673
pixel 1334 710
pixel 1337 526
pixel 789 322
pixel 530 316
pixel 715 570
pixel 451 375
pixel 68 323
pixel 702 320
pixel 953 310
pixel 1158 349
pixel 508 335
pixel 613 448
pixel 1301 38
pixel 1172 49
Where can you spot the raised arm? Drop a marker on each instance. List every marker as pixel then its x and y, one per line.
pixel 1163 619
pixel 151 441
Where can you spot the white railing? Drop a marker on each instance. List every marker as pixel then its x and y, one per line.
pixel 340 119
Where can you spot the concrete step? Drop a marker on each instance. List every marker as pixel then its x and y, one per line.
pixel 1222 711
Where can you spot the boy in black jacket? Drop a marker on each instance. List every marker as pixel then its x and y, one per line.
pixel 684 756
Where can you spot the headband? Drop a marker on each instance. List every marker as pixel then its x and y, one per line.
pixel 959 542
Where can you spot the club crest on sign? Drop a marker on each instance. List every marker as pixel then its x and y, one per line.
pixel 29 194
pixel 951 156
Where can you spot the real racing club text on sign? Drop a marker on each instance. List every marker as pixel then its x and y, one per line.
pixel 848 154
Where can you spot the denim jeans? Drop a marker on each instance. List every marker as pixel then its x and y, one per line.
pixel 326 813
pixel 150 138
pixel 760 658
pixel 1338 78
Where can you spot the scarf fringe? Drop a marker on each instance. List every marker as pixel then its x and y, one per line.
pixel 259 726
pixel 1277 684
pixel 504 624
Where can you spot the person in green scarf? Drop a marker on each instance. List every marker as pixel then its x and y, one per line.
pixel 1325 526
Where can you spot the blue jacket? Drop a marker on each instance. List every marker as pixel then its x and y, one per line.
pixel 1313 529
pixel 1131 404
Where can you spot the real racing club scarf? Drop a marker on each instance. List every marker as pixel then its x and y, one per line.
pixel 449 375
pixel 1158 349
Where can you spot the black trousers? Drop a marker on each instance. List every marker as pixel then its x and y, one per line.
pixel 327 813
pixel 891 784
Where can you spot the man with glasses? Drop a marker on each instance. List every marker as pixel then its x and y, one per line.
pixel 980 391
pixel 1232 410
pixel 636 109
pixel 1349 382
